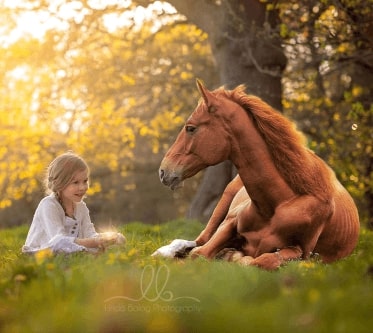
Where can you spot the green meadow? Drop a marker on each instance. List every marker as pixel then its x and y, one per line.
pixel 126 290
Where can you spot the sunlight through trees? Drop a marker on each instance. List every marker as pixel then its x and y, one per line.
pixel 114 81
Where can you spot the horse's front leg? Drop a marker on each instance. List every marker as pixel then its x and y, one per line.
pixel 220 211
pixel 222 238
pixel 272 261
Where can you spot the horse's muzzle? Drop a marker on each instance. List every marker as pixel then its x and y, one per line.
pixel 170 179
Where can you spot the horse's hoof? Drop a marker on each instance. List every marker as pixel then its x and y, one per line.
pixel 245 261
pixel 196 253
pixel 229 254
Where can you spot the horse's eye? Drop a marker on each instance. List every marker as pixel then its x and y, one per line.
pixel 190 129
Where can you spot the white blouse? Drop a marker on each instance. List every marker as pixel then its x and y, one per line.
pixel 50 228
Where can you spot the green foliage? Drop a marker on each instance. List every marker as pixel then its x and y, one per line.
pixel 328 87
pixel 114 94
pixel 88 293
pixel 118 94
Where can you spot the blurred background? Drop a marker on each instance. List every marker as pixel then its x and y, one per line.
pixel 114 81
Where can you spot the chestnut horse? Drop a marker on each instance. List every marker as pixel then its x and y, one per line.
pixel 285 203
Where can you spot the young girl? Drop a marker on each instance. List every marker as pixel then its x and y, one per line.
pixel 61 221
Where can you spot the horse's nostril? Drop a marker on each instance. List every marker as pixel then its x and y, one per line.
pixel 170 178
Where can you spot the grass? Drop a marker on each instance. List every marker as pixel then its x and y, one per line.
pixel 127 290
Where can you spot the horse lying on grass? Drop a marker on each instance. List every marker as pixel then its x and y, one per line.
pixel 285 203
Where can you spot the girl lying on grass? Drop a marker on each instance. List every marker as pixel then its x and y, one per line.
pixel 61 221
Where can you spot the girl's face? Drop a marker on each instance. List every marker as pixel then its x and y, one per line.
pixel 77 188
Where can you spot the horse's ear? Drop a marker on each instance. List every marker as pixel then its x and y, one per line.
pixel 207 96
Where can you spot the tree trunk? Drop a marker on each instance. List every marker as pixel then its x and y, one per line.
pixel 247 51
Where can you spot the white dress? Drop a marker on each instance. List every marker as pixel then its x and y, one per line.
pixel 51 228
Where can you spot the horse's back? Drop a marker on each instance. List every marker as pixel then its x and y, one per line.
pixel 341 232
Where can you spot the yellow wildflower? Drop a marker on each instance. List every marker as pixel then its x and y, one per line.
pixel 306 264
pixel 42 255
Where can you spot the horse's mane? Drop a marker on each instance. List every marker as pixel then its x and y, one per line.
pixel 304 172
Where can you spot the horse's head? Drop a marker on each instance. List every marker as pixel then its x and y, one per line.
pixel 203 141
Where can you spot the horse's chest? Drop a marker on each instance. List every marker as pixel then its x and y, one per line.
pixel 254 237
pixel 254 229
pixel 261 241
pixel 249 222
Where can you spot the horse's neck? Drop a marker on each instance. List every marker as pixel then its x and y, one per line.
pixel 255 166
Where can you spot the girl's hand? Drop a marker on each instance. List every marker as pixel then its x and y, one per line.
pixel 106 239
pixel 120 239
pixel 102 241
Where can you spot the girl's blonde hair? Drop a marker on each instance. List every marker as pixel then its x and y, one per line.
pixel 61 171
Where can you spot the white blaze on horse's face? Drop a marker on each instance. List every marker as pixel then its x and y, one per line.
pixel 201 142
